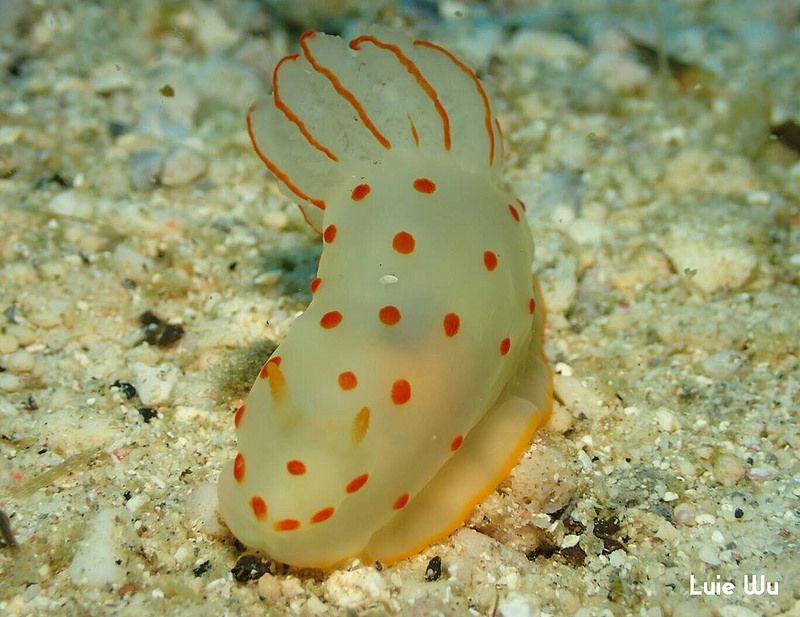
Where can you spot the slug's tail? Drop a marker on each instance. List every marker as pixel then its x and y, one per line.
pixel 336 107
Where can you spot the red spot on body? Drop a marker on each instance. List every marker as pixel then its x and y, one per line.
pixel 404 243
pixel 513 212
pixel 452 323
pixel 400 502
pixel 347 380
pixel 531 306
pixel 331 319
pixel 315 284
pixel 424 185
pixel 237 419
pixel 505 345
pixel 401 392
pixel 322 515
pixel 258 507
pixel 489 260
pixel 456 444
pixel 295 467
pixel 238 468
pixel 389 315
pixel 329 235
pixel 521 204
pixel 287 524
pixel 360 192
pixel 356 483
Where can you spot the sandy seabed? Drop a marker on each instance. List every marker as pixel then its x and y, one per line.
pixel 149 264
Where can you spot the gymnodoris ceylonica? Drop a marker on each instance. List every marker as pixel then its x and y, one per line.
pixel 415 379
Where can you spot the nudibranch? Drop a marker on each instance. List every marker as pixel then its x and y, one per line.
pixel 416 378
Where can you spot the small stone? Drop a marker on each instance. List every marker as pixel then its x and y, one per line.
pixel 181 167
pixel 72 203
pixel 269 588
pixel 684 514
pixel 728 469
pixel 516 605
pixel 144 168
pixel 8 344
pixel 666 419
pixel 669 496
pixel 10 382
pixel 103 556
pixel 154 383
pixel 618 72
pixel 201 505
pixel 354 589
pixel 722 365
pixel 709 554
pixel 21 361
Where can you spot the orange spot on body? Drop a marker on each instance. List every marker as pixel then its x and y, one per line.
pixel 401 392
pixel 258 507
pixel 238 468
pixel 389 315
pixel 505 346
pixel 424 185
pixel 287 524
pixel 275 360
pixel 347 380
pixel 296 468
pixel 322 515
pixel 356 483
pixel 531 306
pixel 360 192
pixel 315 284
pixel 514 213
pixel 237 419
pixel 329 235
pixel 360 425
pixel 490 260
pixel 400 502
pixel 277 381
pixel 456 443
pixel 404 243
pixel 452 323
pixel 331 319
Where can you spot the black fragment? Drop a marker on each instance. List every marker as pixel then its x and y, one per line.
pixel 574 555
pixel 738 513
pixel 127 495
pixel 788 133
pixel 172 334
pixel 202 568
pixel 148 413
pixel 127 389
pixel 248 568
pixel 434 570
pixel 607 527
pixel 157 332
pixel 30 403
pixel 115 129
pixel 5 531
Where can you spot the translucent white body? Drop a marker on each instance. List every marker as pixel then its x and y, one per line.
pixel 415 378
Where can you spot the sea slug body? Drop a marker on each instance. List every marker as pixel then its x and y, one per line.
pixel 415 379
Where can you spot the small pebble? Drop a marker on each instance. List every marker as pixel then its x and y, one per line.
pixel 181 167
pixel 102 556
pixel 10 382
pixel 144 168
pixel 154 383
pixel 269 588
pixel 126 388
pixel 21 361
pixel 8 344
pixel 72 203
pixel 709 554
pixel 684 514
pixel 728 469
